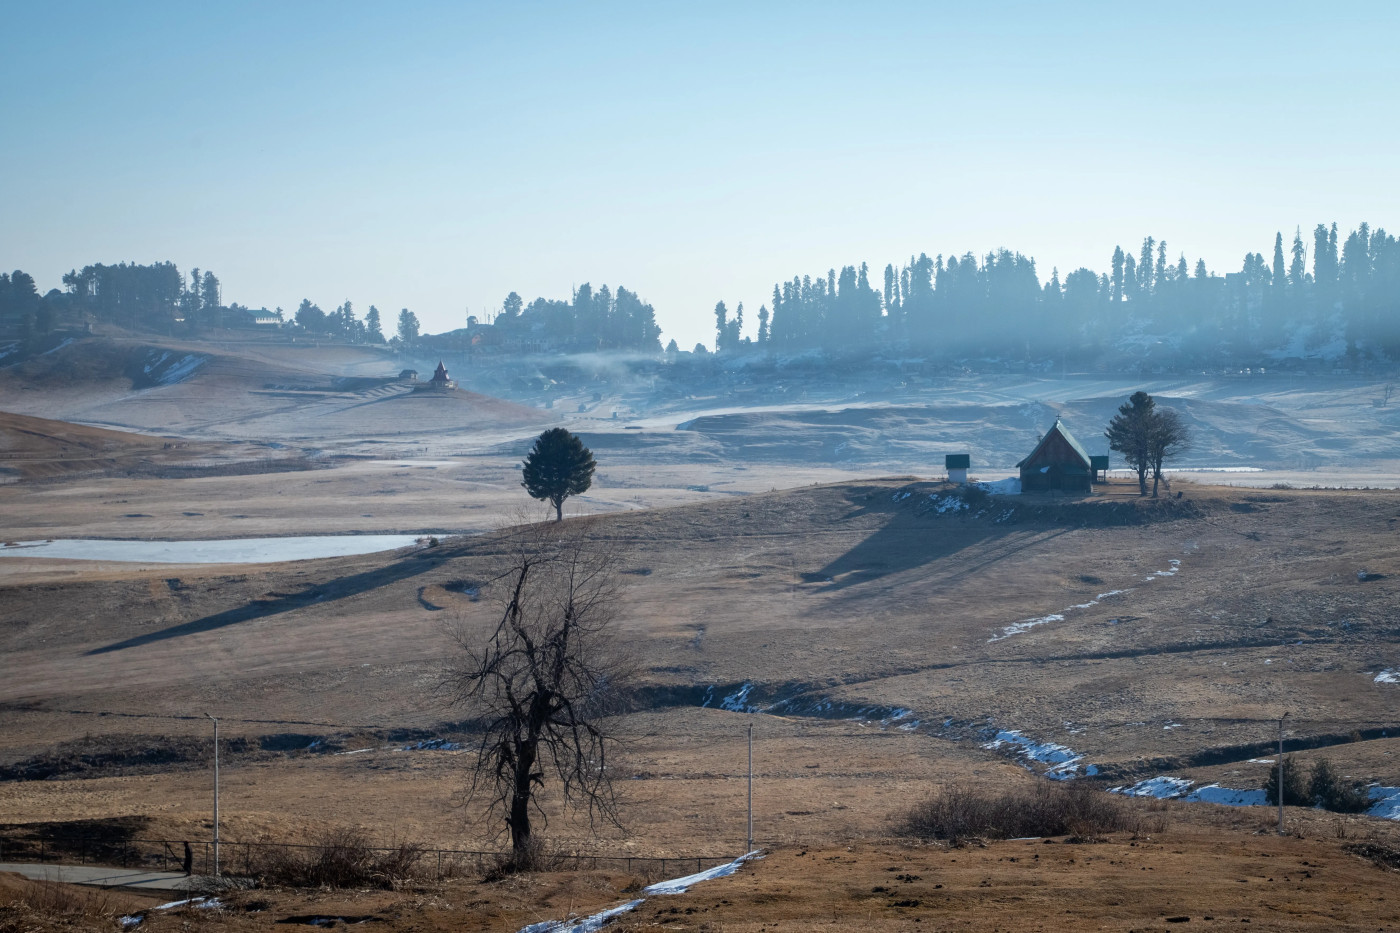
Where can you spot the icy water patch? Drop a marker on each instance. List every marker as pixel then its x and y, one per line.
pixel 225 551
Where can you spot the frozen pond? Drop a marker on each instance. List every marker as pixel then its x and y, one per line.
pixel 228 551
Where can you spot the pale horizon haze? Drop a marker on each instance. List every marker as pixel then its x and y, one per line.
pixel 437 156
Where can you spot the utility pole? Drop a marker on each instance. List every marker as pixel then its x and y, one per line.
pixel 1280 772
pixel 750 848
pixel 216 795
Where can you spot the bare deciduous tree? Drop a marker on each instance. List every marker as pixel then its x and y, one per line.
pixel 542 681
pixel 1166 438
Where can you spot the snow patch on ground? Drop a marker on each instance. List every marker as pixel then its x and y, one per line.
pixel 950 503
pixel 601 919
pixel 1025 625
pixel 1387 802
pixel 1227 796
pixel 1011 486
pixel 131 921
pixel 681 885
pixel 1172 788
pixel 883 717
pixel 168 369
pixel 1389 676
pixel 1162 788
pixel 440 745
pixel 1064 761
pixel 736 702
pixel 584 925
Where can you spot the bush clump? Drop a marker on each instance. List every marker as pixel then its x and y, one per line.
pixel 1322 787
pixel 340 858
pixel 1073 808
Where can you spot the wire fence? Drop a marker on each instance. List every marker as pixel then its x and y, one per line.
pixel 244 858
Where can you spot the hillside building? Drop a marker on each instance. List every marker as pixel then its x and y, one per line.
pixel 440 380
pixel 1058 463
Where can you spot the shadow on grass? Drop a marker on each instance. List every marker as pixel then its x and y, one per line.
pixel 916 534
pixel 262 608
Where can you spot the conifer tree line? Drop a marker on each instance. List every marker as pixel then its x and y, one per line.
pixel 153 297
pixel 157 298
pixel 135 296
pixel 1313 290
pixel 1306 292
pixel 592 320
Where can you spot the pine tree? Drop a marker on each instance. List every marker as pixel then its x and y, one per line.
pixel 1117 278
pixel 558 466
pixel 1298 269
pixel 1130 433
pixel 408 327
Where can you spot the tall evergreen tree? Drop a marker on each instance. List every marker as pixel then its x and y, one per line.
pixel 408 327
pixel 558 466
pixel 1144 267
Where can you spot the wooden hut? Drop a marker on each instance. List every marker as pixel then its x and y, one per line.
pixel 1057 463
pixel 957 466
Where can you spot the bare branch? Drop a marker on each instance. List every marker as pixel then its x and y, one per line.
pixel 541 680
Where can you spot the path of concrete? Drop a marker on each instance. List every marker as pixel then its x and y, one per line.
pixel 102 877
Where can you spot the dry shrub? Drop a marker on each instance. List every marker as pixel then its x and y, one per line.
pixel 1380 854
pixel 957 813
pixel 340 858
pixel 42 904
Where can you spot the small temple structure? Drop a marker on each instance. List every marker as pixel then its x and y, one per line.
pixel 440 379
pixel 440 382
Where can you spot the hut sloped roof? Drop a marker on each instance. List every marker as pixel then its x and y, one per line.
pixel 1063 431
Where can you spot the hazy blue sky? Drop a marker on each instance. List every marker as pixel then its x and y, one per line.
pixel 438 155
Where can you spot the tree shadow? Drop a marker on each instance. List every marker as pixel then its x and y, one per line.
pixel 262 608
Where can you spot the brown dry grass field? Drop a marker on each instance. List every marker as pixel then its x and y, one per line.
pixel 1201 876
pixel 875 636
